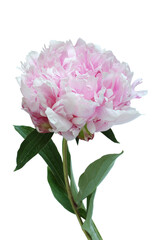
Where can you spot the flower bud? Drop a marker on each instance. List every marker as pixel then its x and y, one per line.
pixel 85 134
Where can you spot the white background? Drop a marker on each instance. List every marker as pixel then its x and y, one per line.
pixel 127 205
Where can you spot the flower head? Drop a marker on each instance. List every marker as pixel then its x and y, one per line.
pixel 71 88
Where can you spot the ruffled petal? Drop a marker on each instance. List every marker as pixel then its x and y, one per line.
pixel 57 122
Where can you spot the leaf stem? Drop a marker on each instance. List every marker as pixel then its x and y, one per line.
pixel 65 171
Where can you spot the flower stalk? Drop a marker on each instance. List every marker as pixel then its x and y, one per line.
pixel 73 204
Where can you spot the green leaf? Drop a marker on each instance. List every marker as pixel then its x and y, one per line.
pixel 59 192
pixel 32 145
pixel 49 153
pixel 94 174
pixel 88 224
pixel 109 134
pixel 53 159
pixel 24 131
pixel 77 140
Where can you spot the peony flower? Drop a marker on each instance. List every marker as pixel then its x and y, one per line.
pixel 74 90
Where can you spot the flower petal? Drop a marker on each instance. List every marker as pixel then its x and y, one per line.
pixel 58 122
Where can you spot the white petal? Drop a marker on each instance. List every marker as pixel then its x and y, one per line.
pixel 57 121
pixel 91 127
pixel 68 135
pixel 126 116
pixel 75 104
pixel 78 121
pixel 71 134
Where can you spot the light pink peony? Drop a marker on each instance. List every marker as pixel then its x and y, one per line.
pixel 67 89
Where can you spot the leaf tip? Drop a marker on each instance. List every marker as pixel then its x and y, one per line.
pixel 121 152
pixel 16 127
pixel 109 134
pixel 15 169
pixel 77 140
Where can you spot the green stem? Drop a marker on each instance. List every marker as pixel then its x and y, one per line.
pixel 96 231
pixel 65 170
